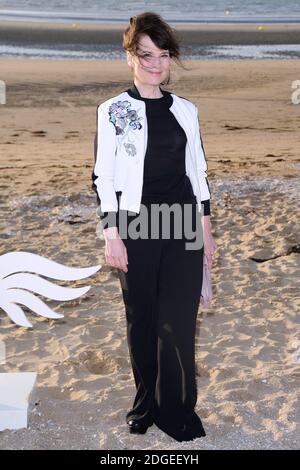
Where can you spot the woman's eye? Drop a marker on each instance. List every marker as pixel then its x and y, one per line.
pixel 149 55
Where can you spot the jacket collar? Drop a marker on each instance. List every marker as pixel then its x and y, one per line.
pixel 134 93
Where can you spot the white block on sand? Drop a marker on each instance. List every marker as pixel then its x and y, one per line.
pixel 15 389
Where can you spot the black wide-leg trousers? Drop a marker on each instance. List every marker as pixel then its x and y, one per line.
pixel 161 293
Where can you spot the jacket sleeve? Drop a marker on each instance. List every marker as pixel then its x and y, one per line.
pixel 104 165
pixel 202 166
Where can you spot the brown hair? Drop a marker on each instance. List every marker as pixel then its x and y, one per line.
pixel 163 36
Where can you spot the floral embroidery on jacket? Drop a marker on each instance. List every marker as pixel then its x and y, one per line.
pixel 130 148
pixel 123 118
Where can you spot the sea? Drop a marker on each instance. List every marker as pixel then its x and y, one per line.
pixel 258 12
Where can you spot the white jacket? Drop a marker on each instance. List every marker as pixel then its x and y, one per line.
pixel 121 148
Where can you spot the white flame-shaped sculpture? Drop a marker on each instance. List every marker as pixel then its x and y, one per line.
pixel 15 285
pixel 18 279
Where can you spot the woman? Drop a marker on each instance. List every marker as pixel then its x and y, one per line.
pixel 149 153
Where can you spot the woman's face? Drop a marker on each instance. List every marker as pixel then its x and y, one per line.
pixel 154 65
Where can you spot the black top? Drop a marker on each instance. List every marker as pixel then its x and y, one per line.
pixel 165 178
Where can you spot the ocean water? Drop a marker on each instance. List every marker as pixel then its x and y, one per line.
pixel 258 12
pixel 203 11
pixel 113 52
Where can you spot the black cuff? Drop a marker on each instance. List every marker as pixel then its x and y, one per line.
pixel 206 207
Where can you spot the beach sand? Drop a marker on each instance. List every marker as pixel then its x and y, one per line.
pixel 247 345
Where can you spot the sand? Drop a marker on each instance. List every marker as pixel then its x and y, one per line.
pixel 248 360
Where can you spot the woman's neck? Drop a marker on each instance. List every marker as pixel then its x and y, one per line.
pixel 155 92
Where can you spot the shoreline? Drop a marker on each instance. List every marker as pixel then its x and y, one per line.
pixel 111 33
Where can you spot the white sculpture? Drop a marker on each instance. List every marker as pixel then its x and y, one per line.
pixel 15 284
pixel 15 389
pixel 15 287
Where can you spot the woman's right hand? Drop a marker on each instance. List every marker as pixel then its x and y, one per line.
pixel 115 249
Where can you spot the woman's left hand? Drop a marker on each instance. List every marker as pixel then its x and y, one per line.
pixel 210 245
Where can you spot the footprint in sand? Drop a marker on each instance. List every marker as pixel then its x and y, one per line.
pixel 236 128
pixel 71 134
pixel 98 362
pixel 39 133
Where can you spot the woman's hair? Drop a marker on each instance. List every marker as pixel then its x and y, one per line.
pixel 163 36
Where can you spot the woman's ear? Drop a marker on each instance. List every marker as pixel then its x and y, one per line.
pixel 129 59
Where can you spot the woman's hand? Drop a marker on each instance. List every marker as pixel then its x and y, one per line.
pixel 115 250
pixel 210 245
